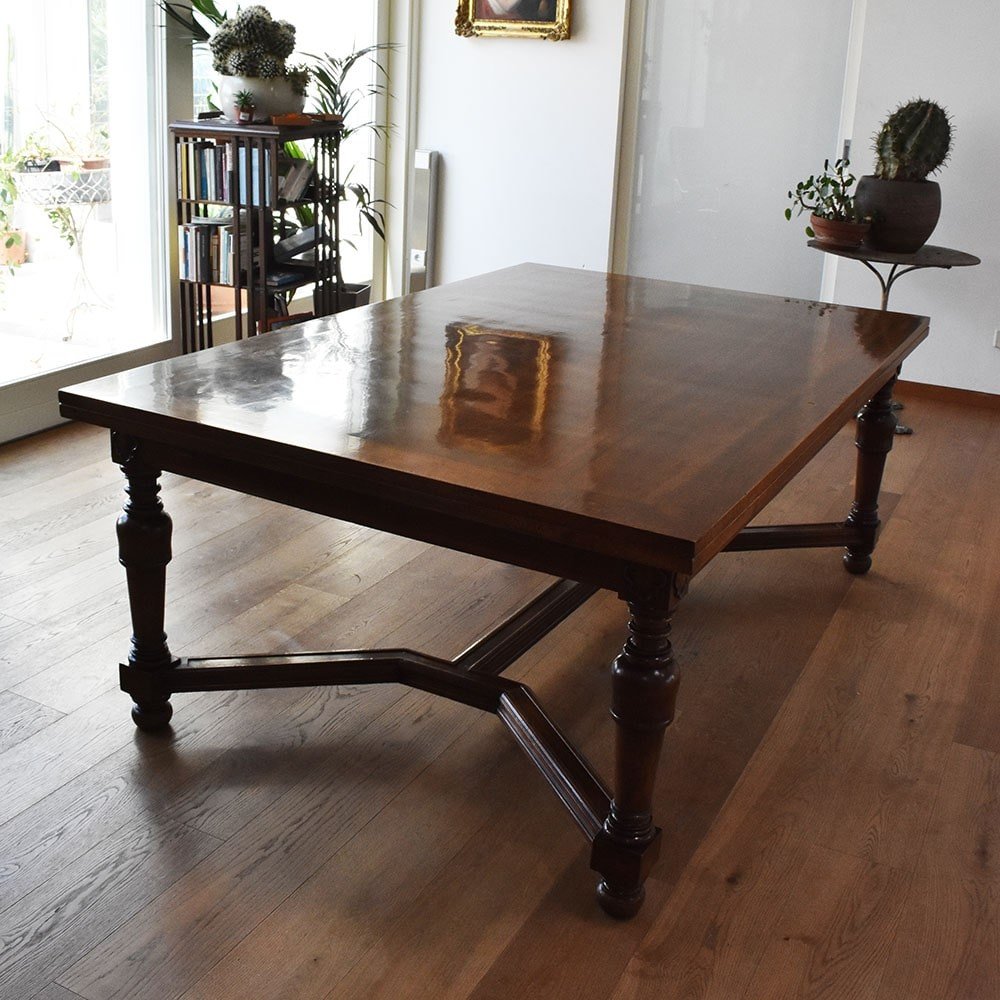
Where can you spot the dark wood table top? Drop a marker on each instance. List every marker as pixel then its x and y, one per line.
pixel 642 419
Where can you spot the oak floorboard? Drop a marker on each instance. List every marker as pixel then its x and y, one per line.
pixel 828 790
pixel 56 992
pixel 837 769
pixel 70 495
pixel 488 882
pixel 833 937
pixel 72 911
pixel 977 725
pixel 354 775
pixel 948 943
pixel 29 461
pixel 58 666
pixel 211 736
pixel 475 837
pixel 21 718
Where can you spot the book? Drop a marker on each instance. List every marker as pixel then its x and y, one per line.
pixel 291 246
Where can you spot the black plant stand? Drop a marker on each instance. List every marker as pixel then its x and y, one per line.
pixel 901 263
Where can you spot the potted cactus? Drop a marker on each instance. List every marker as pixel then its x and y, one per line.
pixel 243 107
pixel 250 51
pixel 913 142
pixel 835 219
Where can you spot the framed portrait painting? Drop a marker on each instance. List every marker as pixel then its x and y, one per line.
pixel 540 18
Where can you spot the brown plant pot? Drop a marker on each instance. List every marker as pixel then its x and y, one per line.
pixel 15 254
pixel 834 233
pixel 903 213
pixel 353 296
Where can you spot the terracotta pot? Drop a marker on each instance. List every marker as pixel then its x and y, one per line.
pixel 15 254
pixel 835 233
pixel 903 213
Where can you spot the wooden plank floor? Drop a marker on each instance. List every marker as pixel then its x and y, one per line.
pixel 830 790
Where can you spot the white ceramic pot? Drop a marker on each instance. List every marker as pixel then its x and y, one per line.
pixel 271 96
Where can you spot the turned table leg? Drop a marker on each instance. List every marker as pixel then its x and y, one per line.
pixel 144 530
pixel 876 427
pixel 644 689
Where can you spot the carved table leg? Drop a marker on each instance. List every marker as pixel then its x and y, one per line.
pixel 876 426
pixel 144 530
pixel 644 689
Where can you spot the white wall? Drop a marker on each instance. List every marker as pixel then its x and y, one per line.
pixel 527 133
pixel 947 53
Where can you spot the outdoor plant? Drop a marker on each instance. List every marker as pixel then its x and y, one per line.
pixel 8 199
pixel 826 195
pixel 913 142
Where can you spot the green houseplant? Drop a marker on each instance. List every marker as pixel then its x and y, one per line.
pixel 243 107
pixel 332 80
pixel 12 246
pixel 912 143
pixel 835 218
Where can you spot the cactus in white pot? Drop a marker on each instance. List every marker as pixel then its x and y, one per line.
pixel 250 52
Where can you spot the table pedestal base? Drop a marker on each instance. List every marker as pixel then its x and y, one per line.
pixel 617 823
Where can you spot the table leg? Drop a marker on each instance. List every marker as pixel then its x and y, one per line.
pixel 876 427
pixel 644 690
pixel 144 530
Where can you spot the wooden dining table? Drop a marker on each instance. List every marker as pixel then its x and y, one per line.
pixel 613 432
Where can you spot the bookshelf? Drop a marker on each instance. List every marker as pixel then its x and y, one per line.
pixel 255 222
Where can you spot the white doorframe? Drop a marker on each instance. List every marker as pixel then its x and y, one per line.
pixel 400 22
pixel 633 50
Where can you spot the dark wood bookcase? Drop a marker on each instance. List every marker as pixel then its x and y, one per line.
pixel 232 211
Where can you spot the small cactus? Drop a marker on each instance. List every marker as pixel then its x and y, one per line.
pixel 913 142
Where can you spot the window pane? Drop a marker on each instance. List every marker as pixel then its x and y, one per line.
pixel 76 140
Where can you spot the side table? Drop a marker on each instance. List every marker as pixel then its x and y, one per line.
pixel 901 263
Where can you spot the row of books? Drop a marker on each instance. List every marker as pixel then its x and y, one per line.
pixel 206 250
pixel 205 171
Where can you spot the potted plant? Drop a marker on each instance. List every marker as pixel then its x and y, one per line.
pixel 12 245
pixel 912 143
pixel 249 52
pixel 835 218
pixel 335 95
pixel 243 107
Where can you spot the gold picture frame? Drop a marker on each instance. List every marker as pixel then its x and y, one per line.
pixel 533 18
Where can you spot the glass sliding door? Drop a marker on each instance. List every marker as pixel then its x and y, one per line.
pixel 738 101
pixel 83 288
